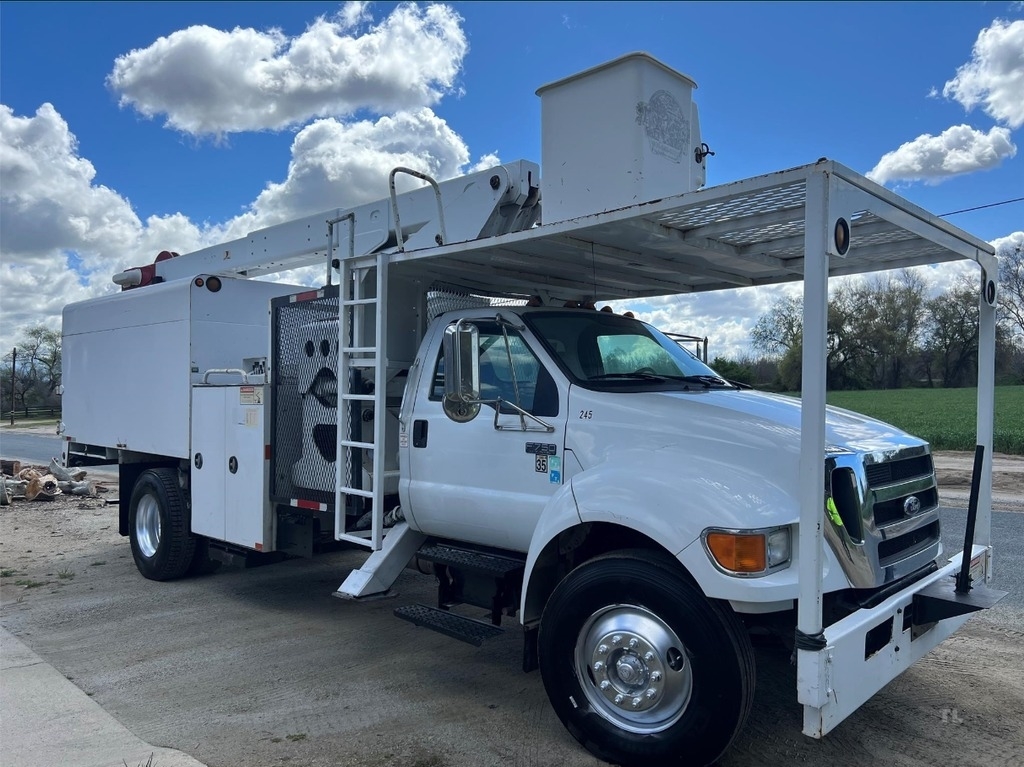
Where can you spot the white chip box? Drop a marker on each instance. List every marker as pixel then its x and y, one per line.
pixel 618 134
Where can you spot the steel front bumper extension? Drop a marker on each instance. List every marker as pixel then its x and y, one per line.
pixel 866 650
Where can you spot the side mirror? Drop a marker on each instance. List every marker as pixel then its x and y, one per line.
pixel 461 371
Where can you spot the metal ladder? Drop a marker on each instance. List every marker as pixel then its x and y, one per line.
pixel 352 308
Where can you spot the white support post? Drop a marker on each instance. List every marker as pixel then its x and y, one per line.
pixel 986 409
pixel 811 666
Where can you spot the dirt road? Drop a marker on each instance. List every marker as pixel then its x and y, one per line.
pixel 264 667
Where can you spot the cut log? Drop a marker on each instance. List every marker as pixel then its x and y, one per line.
pixel 28 473
pixel 10 468
pixel 59 471
pixel 77 488
pixel 42 488
pixel 16 487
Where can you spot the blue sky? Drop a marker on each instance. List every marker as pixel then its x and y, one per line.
pixel 178 165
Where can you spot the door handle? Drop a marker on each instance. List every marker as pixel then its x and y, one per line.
pixel 419 433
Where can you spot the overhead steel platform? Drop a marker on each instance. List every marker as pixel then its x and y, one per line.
pixel 747 233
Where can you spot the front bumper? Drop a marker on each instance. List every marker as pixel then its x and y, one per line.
pixel 869 648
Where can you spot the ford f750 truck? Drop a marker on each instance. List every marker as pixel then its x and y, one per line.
pixel 438 394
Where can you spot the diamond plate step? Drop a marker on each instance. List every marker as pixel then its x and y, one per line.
pixel 467 630
pixel 464 559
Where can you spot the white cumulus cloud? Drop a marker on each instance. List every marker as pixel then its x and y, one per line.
pixel 994 77
pixel 47 196
pixel 210 81
pixel 1006 245
pixel 62 235
pixel 932 159
pixel 339 165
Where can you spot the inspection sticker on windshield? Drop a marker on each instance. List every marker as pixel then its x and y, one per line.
pixel 554 470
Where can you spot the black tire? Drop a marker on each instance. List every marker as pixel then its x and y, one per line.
pixel 636 624
pixel 162 543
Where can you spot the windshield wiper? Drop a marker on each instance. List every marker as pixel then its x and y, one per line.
pixel 636 374
pixel 705 380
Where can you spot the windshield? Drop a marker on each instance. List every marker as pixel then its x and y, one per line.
pixel 601 349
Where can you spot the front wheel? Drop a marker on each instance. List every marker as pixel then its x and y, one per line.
pixel 640 667
pixel 162 543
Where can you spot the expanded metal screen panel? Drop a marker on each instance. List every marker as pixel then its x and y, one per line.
pixel 772 200
pixel 304 387
pixel 443 298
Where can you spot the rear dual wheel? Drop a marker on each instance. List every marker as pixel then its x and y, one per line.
pixel 162 543
pixel 640 667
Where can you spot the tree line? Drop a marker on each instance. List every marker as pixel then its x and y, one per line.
pixel 889 332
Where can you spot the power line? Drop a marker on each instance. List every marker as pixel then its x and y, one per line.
pixel 982 207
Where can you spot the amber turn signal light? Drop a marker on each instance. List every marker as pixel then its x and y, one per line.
pixel 738 552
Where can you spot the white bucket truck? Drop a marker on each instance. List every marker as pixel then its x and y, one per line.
pixel 441 396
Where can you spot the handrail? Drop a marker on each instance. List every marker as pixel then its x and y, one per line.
pixel 225 371
pixel 441 238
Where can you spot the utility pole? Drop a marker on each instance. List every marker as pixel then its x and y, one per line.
pixel 14 367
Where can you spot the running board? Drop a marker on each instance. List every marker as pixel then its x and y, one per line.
pixel 489 565
pixel 464 629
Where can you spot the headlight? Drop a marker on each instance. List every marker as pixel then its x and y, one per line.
pixel 778 547
pixel 748 552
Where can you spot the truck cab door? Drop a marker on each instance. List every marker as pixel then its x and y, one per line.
pixel 473 481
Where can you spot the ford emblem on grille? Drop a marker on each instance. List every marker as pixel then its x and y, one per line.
pixel 911 505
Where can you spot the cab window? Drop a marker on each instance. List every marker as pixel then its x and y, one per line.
pixel 537 393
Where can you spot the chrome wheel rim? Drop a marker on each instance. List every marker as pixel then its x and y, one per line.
pixel 147 526
pixel 633 668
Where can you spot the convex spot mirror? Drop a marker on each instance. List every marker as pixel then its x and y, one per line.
pixel 461 371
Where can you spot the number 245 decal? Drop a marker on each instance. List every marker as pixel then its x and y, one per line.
pixel 586 415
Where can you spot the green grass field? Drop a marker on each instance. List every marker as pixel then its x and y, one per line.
pixel 944 417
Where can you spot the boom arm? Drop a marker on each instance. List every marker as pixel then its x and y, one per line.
pixel 491 202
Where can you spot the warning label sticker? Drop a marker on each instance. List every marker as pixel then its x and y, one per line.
pixel 250 395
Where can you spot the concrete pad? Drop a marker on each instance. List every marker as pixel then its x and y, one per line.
pixel 45 719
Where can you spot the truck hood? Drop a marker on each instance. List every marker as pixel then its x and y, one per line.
pixel 741 418
pixel 778 418
pixel 731 449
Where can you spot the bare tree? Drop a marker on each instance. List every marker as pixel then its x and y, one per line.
pixel 952 344
pixel 779 334
pixel 41 348
pixel 1011 288
pixel 36 370
pixel 781 329
pixel 888 318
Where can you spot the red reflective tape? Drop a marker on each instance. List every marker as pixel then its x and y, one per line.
pixel 311 505
pixel 259 547
pixel 266 452
pixel 306 296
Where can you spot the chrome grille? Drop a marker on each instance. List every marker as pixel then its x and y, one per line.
pixel 894 471
pixel 887 522
pixel 889 512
